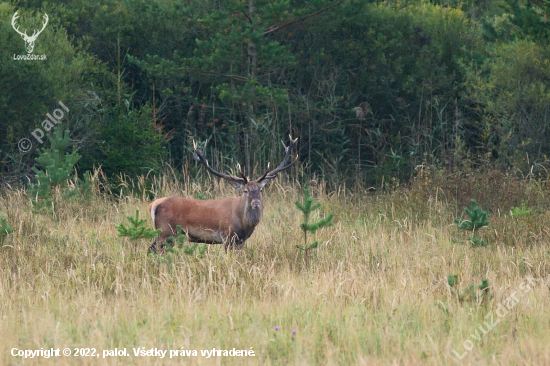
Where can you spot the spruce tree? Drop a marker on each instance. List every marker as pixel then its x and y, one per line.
pixel 307 207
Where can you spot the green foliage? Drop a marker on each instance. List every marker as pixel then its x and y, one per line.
pixel 5 230
pixel 478 242
pixel 466 81
pixel 131 145
pixel 470 292
pixel 175 247
pixel 30 89
pixel 531 17
pixel 520 211
pixel 484 285
pixel 137 230
pixel 57 166
pixel 477 218
pixel 57 163
pixel 511 95
pixel 452 280
pixel 195 250
pixel 178 243
pixel 307 207
pixel 476 293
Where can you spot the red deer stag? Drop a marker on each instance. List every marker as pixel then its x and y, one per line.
pixel 229 220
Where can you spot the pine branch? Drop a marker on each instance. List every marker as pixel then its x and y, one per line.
pixel 278 27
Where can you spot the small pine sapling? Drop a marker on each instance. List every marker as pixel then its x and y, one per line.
pixel 177 246
pixel 57 167
pixel 520 211
pixel 477 220
pixel 5 230
pixel 452 280
pixel 178 242
pixel 308 206
pixel 138 229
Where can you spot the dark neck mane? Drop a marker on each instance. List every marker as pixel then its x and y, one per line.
pixel 251 217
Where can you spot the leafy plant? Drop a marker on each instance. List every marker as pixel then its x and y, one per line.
pixel 137 230
pixel 5 230
pixel 308 206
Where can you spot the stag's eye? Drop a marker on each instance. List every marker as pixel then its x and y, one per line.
pixel 245 190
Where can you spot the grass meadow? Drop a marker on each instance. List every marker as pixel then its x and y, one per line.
pixel 375 292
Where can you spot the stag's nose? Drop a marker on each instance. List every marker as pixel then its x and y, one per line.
pixel 255 203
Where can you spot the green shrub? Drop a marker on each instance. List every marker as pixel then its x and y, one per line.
pixel 307 207
pixel 5 230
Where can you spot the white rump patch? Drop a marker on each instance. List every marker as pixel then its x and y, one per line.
pixel 153 209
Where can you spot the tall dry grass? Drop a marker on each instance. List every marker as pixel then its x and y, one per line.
pixel 375 293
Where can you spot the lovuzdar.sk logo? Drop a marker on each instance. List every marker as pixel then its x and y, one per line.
pixel 29 40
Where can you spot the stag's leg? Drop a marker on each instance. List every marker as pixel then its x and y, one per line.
pixel 153 248
pixel 159 244
pixel 236 245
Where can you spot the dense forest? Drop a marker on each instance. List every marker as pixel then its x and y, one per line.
pixel 372 89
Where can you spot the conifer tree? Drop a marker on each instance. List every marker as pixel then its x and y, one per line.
pixel 477 219
pixel 57 165
pixel 137 230
pixel 307 207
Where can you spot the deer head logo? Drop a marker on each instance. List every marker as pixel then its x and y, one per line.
pixel 29 40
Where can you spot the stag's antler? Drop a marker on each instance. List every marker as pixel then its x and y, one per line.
pixel 198 156
pixel 37 33
pixel 13 19
pixel 24 34
pixel 288 149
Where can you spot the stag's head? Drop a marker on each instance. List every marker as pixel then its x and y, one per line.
pixel 252 190
pixel 29 40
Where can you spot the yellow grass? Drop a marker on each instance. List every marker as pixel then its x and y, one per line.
pixel 374 293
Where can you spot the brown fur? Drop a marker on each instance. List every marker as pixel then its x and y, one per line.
pixel 229 220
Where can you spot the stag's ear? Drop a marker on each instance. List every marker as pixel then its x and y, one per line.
pixel 263 183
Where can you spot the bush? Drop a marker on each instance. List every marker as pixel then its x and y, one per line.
pixel 511 93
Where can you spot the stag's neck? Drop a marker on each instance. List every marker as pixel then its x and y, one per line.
pixel 250 217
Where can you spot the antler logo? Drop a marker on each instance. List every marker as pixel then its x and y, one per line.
pixel 29 40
